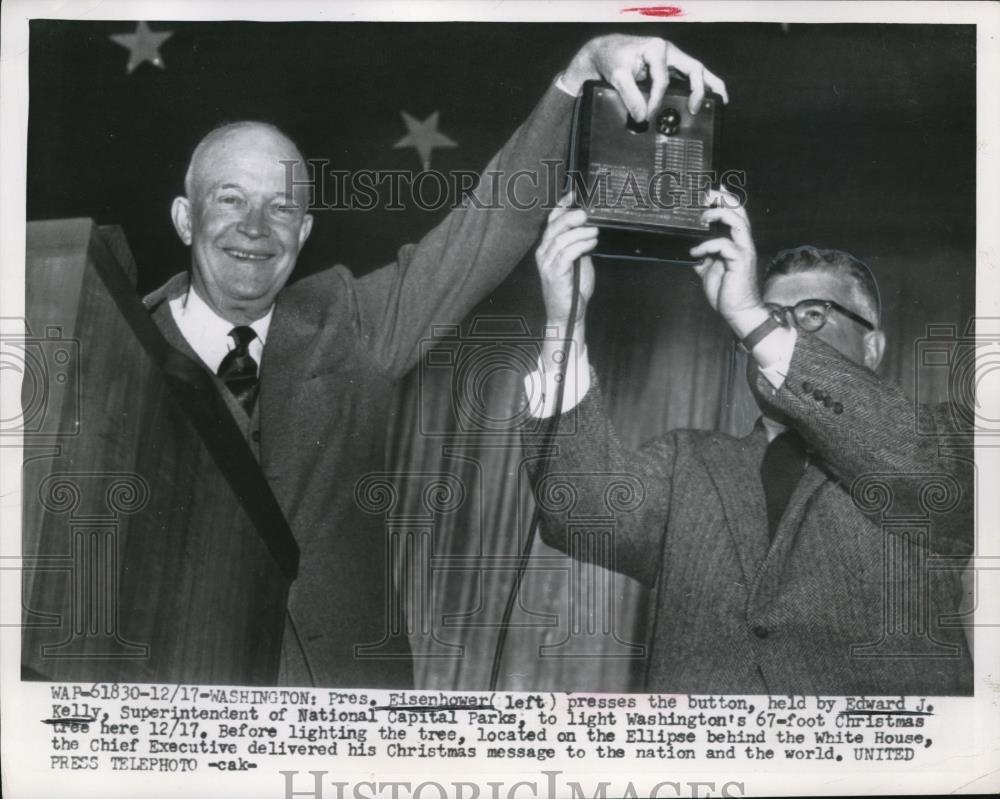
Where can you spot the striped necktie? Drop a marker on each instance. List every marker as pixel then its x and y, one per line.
pixel 238 369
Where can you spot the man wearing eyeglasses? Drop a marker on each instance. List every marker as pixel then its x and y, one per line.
pixel 768 576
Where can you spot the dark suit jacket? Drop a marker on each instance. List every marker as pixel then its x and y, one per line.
pixel 336 348
pixel 735 613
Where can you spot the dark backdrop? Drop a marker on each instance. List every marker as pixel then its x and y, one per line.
pixel 859 137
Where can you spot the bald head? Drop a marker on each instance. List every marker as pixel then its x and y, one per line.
pixel 261 136
pixel 243 216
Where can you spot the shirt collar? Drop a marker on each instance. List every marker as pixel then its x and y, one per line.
pixel 208 333
pixel 206 323
pixel 772 428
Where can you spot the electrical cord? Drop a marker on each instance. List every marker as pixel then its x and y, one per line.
pixel 536 516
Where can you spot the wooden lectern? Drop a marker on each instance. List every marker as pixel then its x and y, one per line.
pixel 154 549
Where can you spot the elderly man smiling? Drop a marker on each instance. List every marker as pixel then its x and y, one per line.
pixel 308 369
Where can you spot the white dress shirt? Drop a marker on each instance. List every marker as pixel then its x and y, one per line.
pixel 208 333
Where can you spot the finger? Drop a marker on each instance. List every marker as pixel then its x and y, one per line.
pixel 713 198
pixel 573 251
pixel 711 248
pixel 659 75
pixel 566 239
pixel 626 87
pixel 702 267
pixel 554 270
pixel 720 248
pixel 710 268
pixel 556 212
pixel 681 61
pixel 568 220
pixel 724 198
pixel 551 251
pixel 557 270
pixel 711 271
pixel 587 277
pixel 739 225
pixel 697 78
pixel 729 199
pixel 732 217
pixel 561 206
pixel 684 63
pixel 717 85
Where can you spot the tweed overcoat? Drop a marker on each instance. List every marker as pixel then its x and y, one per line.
pixel 336 349
pixel 858 590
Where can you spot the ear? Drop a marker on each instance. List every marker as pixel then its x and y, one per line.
pixel 305 229
pixel 180 213
pixel 874 348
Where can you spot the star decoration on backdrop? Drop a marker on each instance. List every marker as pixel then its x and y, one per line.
pixel 143 45
pixel 423 137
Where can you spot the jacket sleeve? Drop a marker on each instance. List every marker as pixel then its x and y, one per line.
pixel 592 482
pixel 439 279
pixel 874 438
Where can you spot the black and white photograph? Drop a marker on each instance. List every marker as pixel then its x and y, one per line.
pixel 387 394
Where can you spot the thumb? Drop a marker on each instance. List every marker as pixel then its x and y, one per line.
pixel 701 267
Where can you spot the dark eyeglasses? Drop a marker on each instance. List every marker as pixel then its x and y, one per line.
pixel 811 315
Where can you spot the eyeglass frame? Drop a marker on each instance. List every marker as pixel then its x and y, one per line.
pixel 829 304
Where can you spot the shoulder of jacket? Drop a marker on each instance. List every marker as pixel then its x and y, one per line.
pixel 174 287
pixel 319 290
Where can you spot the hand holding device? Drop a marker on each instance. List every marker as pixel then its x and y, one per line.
pixel 728 265
pixel 644 181
pixel 623 61
pixel 567 237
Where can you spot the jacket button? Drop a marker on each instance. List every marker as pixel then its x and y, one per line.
pixel 255 435
pixel 828 401
pixel 838 408
pixel 807 386
pixel 818 395
pixel 761 631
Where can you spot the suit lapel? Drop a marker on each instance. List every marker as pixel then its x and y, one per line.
pixel 165 321
pixel 737 482
pixel 287 362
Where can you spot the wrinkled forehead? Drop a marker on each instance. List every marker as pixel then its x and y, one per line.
pixel 814 285
pixel 256 159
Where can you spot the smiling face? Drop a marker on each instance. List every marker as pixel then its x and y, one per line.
pixel 244 230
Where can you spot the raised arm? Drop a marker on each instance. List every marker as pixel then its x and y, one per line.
pixel 631 490
pixel 815 372
pixel 866 428
pixel 626 490
pixel 441 278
